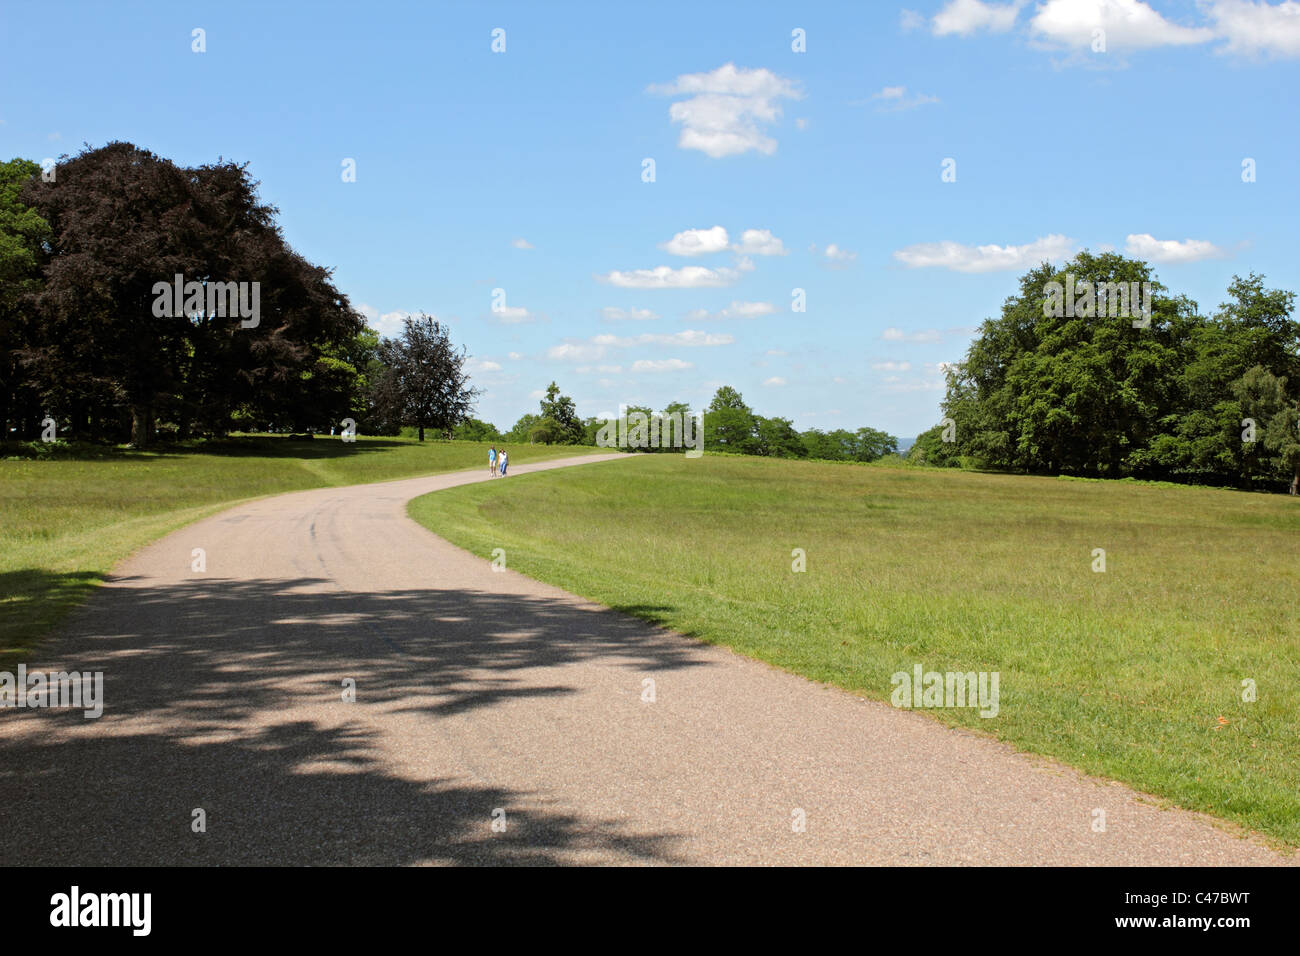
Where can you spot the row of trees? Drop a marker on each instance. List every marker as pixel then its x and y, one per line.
pixel 730 425
pixel 118 273
pixel 1183 396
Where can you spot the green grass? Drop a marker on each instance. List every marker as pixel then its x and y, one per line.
pixel 1134 674
pixel 74 512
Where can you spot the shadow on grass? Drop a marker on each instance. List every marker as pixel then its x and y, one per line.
pixel 34 600
pixel 252 446
pixel 226 696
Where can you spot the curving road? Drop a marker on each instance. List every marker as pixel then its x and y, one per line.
pixel 485 697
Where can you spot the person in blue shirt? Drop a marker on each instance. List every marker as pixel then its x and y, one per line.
pixel 492 462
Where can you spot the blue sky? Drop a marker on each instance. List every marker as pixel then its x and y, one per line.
pixel 522 170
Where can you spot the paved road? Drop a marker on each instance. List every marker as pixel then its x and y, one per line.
pixel 483 696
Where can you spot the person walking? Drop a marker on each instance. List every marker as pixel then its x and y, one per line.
pixel 505 460
pixel 492 461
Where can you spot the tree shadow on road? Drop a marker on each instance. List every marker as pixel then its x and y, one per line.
pixel 198 682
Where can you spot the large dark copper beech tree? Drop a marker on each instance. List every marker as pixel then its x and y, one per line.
pixel 120 220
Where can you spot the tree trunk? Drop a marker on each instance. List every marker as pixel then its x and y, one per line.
pixel 1295 481
pixel 140 415
pixel 421 433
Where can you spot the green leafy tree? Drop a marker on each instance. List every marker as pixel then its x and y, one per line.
pixel 930 449
pixel 22 235
pixel 729 423
pixel 523 428
pixel 425 376
pixel 870 444
pixel 471 429
pixel 777 438
pixel 836 445
pixel 561 410
pixel 547 431
pixel 1275 416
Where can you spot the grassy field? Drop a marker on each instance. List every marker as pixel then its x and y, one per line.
pixel 69 518
pixel 1135 673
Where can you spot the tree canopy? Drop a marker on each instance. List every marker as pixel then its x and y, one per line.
pixel 1174 395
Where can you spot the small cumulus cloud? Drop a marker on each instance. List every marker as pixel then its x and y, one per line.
pixel 965 17
pixel 1146 246
pixel 615 314
pixel 737 310
pixel 728 110
pixel 690 337
pixel 986 258
pixel 513 315
pixel 834 254
pixel 1127 25
pixel 893 99
pixel 696 242
pixel 759 242
pixel 660 365
pixel 387 324
pixel 665 277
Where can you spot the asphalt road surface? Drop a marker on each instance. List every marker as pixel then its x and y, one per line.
pixel 496 720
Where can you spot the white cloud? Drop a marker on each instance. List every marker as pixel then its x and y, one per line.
pixel 728 109
pixel 516 356
pixel 389 324
pixel 834 254
pixel 909 20
pixel 898 335
pixel 989 258
pixel 759 242
pixel 522 244
pixel 598 346
pixel 575 352
pixel 602 369
pixel 513 315
pixel 665 277
pixel 615 314
pixel 775 380
pixel 690 337
pixel 1146 246
pixel 1128 24
pixel 892 366
pixel 1252 29
pixel 663 365
pixel 965 17
pixel 696 242
pixel 737 310
pixel 895 99
pixel 475 365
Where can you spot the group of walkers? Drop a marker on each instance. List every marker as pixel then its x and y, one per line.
pixel 495 461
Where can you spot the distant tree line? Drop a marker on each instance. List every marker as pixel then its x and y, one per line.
pixel 730 425
pixel 1173 395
